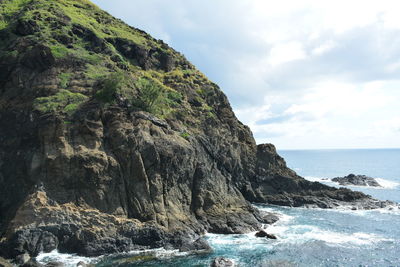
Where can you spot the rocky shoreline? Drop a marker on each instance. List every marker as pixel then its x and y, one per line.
pixel 182 241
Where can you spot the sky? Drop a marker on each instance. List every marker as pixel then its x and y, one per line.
pixel 304 74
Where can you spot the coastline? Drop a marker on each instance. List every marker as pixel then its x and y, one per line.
pixel 286 229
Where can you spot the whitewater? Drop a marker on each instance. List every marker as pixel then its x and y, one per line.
pixel 306 237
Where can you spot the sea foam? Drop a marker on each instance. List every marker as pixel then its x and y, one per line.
pixel 305 233
pixel 69 260
pixel 386 184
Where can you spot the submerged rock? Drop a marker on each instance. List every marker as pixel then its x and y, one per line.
pixel 268 217
pixel 358 180
pixel 278 263
pixel 222 262
pixel 54 264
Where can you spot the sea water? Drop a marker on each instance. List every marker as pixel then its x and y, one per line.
pixel 306 237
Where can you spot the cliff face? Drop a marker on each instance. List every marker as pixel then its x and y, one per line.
pixel 110 140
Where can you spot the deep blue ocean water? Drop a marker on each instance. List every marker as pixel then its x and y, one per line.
pixel 306 237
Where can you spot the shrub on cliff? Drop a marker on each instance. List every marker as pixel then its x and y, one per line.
pixel 109 87
pixel 149 95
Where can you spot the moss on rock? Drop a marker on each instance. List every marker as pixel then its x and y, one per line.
pixel 63 101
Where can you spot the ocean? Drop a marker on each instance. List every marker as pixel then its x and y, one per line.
pixel 306 237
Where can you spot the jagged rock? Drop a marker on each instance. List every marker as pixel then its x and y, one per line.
pixel 359 180
pixel 146 58
pixel 262 233
pixel 39 58
pixel 22 259
pixel 94 43
pixel 5 263
pixel 32 241
pixel 222 262
pixel 26 27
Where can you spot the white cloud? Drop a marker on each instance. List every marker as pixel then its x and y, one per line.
pixel 340 98
pixel 333 114
pixel 282 53
pixel 255 114
pixel 302 74
pixel 323 48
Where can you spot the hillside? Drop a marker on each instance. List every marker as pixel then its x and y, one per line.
pixel 110 141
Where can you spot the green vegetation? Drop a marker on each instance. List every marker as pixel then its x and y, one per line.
pixel 109 87
pixel 173 99
pixel 70 109
pixel 59 51
pixel 149 94
pixel 64 101
pixel 185 135
pixel 201 92
pixel 103 25
pixel 152 96
pixel 7 10
pixel 91 58
pixel 83 37
pixel 96 72
pixel 13 53
pixel 3 24
pixel 64 79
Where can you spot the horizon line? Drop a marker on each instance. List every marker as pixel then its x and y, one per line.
pixel 359 148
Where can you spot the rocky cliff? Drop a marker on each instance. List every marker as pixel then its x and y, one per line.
pixel 110 141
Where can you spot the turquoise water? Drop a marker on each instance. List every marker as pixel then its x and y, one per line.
pixel 310 237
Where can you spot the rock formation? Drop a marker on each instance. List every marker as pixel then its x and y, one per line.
pixel 359 180
pixel 222 262
pixel 263 233
pixel 111 140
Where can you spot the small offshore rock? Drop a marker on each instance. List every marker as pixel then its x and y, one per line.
pixel 262 233
pixel 360 180
pixel 222 262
